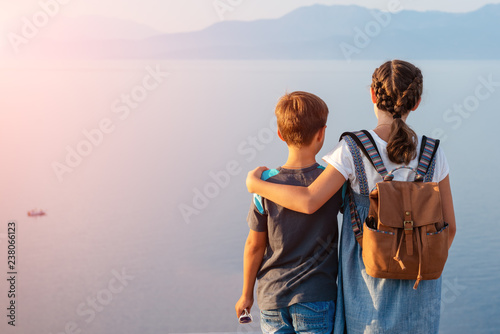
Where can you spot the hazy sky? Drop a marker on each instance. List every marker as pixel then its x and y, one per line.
pixel 188 15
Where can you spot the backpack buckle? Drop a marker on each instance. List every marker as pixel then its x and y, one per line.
pixel 406 223
pixel 409 236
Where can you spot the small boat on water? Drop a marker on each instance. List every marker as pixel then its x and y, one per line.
pixel 36 213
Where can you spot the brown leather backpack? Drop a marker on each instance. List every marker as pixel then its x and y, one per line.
pixel 404 235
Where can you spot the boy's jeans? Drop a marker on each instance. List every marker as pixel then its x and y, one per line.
pixel 302 318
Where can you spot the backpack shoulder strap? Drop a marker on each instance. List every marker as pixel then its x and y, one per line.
pixel 359 167
pixel 426 162
pixel 355 145
pixel 257 199
pixel 365 141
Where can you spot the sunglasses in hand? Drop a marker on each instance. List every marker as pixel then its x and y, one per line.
pixel 245 317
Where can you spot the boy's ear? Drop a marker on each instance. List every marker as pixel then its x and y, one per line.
pixel 321 134
pixel 279 135
pixel 374 97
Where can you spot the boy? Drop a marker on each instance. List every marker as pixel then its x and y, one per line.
pixel 293 255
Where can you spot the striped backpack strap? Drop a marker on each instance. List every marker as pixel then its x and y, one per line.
pixel 358 165
pixel 426 161
pixel 366 142
pixel 356 141
pixel 357 226
pixel 430 173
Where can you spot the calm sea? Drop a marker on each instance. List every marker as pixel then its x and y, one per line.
pixel 140 167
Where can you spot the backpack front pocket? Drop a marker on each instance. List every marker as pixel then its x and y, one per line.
pixel 384 242
pixel 438 243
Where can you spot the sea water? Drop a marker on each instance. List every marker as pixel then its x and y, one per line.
pixel 141 165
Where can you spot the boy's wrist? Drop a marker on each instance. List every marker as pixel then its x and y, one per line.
pixel 250 185
pixel 247 295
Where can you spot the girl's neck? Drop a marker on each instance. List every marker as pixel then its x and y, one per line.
pixel 384 124
pixel 383 131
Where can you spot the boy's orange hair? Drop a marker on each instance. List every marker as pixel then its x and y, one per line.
pixel 300 116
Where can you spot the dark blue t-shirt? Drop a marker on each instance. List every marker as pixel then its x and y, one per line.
pixel 300 262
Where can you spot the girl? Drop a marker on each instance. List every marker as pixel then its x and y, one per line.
pixel 366 304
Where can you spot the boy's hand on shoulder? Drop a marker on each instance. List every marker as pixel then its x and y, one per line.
pixel 253 177
pixel 242 304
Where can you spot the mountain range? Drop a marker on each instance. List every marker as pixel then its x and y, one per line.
pixel 314 32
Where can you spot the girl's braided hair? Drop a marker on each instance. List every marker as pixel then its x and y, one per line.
pixel 397 86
